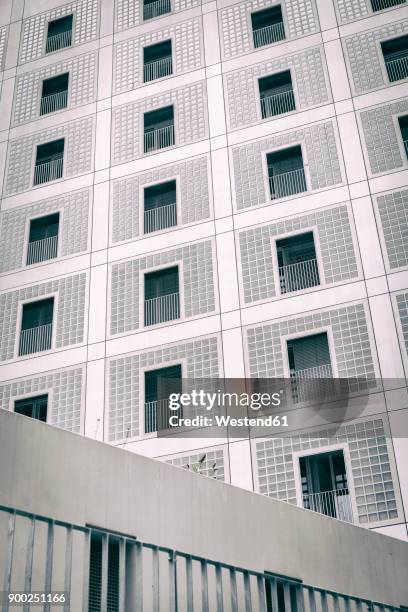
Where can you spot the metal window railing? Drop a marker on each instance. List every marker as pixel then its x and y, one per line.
pixel 54 102
pixel 157 414
pixel 42 250
pixel 397 69
pixel 278 104
pixel 406 147
pixel 161 309
pixel 155 9
pixel 379 5
pixel 157 69
pixel 182 574
pixel 160 218
pixel 269 34
pixel 336 503
pixel 35 339
pixel 159 138
pixel 287 183
pixel 48 171
pixel 300 275
pixel 312 383
pixel 58 41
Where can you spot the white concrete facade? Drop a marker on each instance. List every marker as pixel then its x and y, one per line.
pixel 356 205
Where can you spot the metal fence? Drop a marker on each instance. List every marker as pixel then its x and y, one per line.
pixel 41 553
pixel 278 104
pixel 161 309
pixel 397 69
pixel 336 503
pixel 379 5
pixel 159 138
pixel 155 9
pixel 58 41
pixel 157 69
pixel 41 250
pixel 54 102
pixel 287 183
pixel 48 171
pixel 35 339
pixel 157 415
pixel 300 275
pixel 312 383
pixel 269 34
pixel 160 218
pixel 406 147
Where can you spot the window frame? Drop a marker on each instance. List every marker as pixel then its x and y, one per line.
pixel 294 91
pixel 274 239
pixel 142 187
pixel 21 304
pixel 182 362
pixel 28 220
pixel 147 270
pixel 175 128
pixel 266 152
pixel 170 38
pixel 251 32
pixel 40 89
pixel 34 159
pixel 46 25
pixel 31 395
pixel 321 450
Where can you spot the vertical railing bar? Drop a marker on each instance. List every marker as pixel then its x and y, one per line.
pixel 29 561
pixel 247 592
pixel 156 579
pixel 219 590
pixel 68 567
pixel 189 585
pixel 234 592
pixel 9 557
pixel 172 581
pixel 204 586
pixel 49 562
pixel 104 581
pixel 286 596
pixel 87 564
pixel 122 574
pixel 139 577
pixel 274 592
pixel 261 593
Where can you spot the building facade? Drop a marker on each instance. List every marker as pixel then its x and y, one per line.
pixel 98 545
pixel 212 189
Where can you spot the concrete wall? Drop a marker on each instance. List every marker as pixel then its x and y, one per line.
pixel 54 473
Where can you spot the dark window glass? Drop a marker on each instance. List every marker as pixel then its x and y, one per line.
pixel 33 407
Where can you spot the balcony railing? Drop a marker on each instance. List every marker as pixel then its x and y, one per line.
pixel 406 147
pixel 300 275
pixel 35 339
pixel 155 9
pixel 42 250
pixel 157 414
pixel 397 69
pixel 269 34
pixel 160 218
pixel 58 41
pixel 159 138
pixel 312 383
pixel 287 183
pixel 157 69
pixel 54 102
pixel 335 503
pixel 277 104
pixel 161 309
pixel 379 5
pixel 48 171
